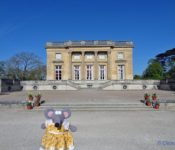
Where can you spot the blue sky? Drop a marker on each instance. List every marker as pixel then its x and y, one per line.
pixel 26 25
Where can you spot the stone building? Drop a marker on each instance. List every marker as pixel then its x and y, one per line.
pixel 89 60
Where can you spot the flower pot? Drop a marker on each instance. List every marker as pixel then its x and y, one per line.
pixel 157 106
pixel 29 107
pixel 146 97
pixel 30 98
pixel 148 103
pixel 154 98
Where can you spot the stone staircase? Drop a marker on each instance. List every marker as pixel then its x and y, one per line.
pixel 164 106
pixel 106 107
pixel 97 107
pixel 89 84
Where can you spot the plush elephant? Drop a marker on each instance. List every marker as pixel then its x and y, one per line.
pixel 57 134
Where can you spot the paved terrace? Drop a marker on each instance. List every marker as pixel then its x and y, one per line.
pixel 106 130
pixel 89 96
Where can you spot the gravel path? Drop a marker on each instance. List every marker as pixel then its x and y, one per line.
pixel 149 130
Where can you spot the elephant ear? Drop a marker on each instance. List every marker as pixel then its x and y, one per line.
pixel 49 113
pixel 66 113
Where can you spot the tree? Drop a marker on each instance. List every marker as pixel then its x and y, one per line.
pixel 167 60
pixel 137 77
pixel 22 65
pixel 2 69
pixel 154 70
pixel 38 73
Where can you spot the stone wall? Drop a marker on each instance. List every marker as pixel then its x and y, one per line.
pixel 7 85
pixel 132 85
pixel 167 84
pixel 96 84
pixel 13 85
pixel 46 85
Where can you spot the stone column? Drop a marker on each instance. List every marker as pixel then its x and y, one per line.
pixel 70 65
pixel 109 65
pixel 83 65
pixel 96 66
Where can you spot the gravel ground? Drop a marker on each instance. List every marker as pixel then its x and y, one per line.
pixel 149 130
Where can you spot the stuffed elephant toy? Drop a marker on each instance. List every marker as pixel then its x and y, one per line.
pixel 57 134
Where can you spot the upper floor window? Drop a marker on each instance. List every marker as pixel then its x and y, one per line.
pixel 89 56
pixel 120 55
pixel 102 56
pixel 58 56
pixel 76 56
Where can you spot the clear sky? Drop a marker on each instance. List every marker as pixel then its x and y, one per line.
pixel 26 25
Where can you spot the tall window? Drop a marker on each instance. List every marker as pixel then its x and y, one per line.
pixel 121 72
pixel 89 72
pixel 58 72
pixel 102 72
pixel 77 72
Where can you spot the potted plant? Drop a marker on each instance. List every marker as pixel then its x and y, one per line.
pixel 30 97
pixel 29 105
pixel 37 99
pixel 148 102
pixel 157 105
pixel 146 96
pixel 154 97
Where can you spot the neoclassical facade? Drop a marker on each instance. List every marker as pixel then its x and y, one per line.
pixel 89 60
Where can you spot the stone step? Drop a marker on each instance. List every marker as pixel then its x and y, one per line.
pixel 104 107
pixel 95 104
pixel 94 107
pixel 97 108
